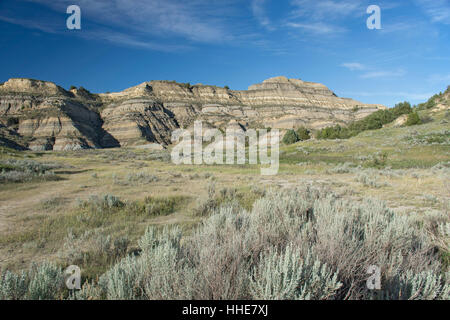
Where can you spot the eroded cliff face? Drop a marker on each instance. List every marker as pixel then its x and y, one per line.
pixel 138 121
pixel 40 115
pixel 47 117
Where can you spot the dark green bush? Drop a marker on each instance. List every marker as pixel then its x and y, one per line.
pixel 290 137
pixel 303 134
pixel 373 121
pixel 413 119
pixel 336 132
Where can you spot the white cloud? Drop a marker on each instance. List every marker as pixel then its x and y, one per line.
pixel 353 66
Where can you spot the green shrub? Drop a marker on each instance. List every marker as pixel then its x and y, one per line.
pixel 303 134
pixel 413 119
pixel 373 121
pixel 336 132
pixel 290 137
pixel 401 109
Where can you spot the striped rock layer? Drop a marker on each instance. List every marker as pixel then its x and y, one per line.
pixel 40 115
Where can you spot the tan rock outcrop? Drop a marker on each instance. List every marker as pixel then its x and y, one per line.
pixel 53 118
pixel 139 121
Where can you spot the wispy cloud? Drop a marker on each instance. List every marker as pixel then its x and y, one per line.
pixel 195 20
pixel 369 72
pixel 323 17
pixel 317 27
pixel 259 12
pixel 30 24
pixel 153 24
pixel 328 16
pixel 383 74
pixel 129 41
pixel 437 10
pixel 353 66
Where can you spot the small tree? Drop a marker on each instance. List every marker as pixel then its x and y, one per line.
pixel 72 88
pixel 290 137
pixel 413 119
pixel 227 87
pixel 401 108
pixel 303 134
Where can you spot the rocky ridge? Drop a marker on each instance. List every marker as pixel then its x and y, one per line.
pixel 40 115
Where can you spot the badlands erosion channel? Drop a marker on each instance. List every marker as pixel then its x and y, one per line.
pixel 88 180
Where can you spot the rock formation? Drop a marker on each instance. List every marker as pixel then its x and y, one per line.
pixel 40 115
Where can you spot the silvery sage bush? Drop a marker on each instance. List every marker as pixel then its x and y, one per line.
pixel 294 244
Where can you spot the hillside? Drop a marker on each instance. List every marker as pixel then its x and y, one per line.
pixel 439 101
pixel 387 187
pixel 40 115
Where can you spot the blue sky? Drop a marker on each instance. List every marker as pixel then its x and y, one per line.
pixel 232 42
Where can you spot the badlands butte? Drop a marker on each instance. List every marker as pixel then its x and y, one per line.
pixel 40 115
